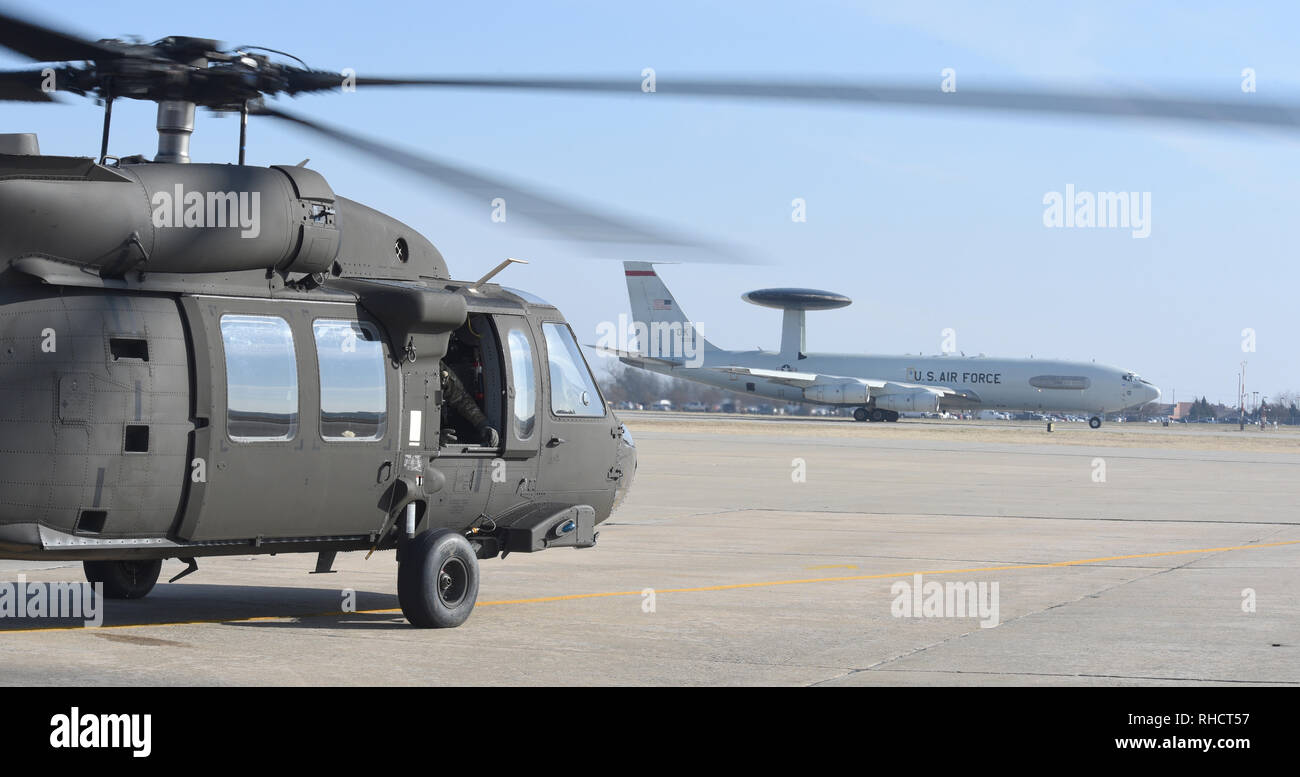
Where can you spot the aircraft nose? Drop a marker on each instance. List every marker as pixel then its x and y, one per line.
pixel 1154 392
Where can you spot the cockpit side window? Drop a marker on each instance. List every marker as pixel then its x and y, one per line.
pixel 573 390
pixel 523 409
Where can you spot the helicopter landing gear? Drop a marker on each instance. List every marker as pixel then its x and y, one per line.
pixel 1094 422
pixel 437 580
pixel 124 579
pixel 860 414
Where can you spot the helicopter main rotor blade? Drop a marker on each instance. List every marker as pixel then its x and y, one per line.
pixel 550 211
pixel 23 86
pixel 1192 109
pixel 45 44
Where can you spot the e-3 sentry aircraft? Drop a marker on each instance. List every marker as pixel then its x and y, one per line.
pixel 877 387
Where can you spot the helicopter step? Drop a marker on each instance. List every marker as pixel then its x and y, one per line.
pixel 325 563
pixel 545 525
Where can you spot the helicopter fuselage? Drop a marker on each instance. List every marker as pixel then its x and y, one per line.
pixel 204 360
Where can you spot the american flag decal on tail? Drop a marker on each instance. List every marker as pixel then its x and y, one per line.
pixel 661 304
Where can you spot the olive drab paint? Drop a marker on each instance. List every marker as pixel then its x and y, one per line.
pixel 191 350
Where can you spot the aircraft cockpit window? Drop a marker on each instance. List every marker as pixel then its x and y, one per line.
pixel 573 391
pixel 261 378
pixel 353 391
pixel 524 411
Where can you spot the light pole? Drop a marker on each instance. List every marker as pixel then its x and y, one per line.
pixel 1241 399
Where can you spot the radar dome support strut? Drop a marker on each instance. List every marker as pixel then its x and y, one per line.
pixel 794 304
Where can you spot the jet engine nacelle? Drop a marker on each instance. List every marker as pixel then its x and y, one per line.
pixel 845 393
pixel 911 400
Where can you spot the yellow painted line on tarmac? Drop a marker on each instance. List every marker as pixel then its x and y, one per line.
pixel 696 589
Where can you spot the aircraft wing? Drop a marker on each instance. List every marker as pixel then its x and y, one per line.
pixel 637 360
pixel 941 391
pixel 795 379
pixel 876 386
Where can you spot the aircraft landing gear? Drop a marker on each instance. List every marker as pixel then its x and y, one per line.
pixel 875 415
pixel 437 580
pixel 124 579
pixel 1094 422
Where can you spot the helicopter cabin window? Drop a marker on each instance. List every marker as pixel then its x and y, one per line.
pixel 353 388
pixel 573 391
pixel 524 410
pixel 473 385
pixel 261 378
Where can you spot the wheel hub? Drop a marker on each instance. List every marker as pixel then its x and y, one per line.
pixel 453 581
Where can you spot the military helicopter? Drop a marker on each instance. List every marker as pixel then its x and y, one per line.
pixel 223 359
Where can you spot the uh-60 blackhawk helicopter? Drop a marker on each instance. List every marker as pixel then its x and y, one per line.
pixel 219 359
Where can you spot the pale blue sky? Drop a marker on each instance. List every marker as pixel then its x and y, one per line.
pixel 927 220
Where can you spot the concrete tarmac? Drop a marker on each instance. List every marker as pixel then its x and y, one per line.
pixel 775 552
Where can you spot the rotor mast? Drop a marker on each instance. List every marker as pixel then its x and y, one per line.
pixel 175 126
pixel 176 117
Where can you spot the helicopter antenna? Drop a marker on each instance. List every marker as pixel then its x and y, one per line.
pixel 493 272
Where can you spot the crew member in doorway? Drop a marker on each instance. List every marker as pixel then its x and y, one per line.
pixel 459 400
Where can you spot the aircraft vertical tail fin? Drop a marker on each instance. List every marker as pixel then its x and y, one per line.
pixel 654 306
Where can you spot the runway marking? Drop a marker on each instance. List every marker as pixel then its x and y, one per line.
pixel 770 583
pixel 696 589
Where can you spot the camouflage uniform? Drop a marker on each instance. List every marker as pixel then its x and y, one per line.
pixel 454 394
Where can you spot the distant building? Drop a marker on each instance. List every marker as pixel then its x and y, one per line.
pixel 1182 410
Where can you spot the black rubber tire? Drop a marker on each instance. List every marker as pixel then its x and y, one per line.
pixel 1094 422
pixel 124 579
pixel 428 599
pixel 860 414
pixel 891 416
pixel 877 415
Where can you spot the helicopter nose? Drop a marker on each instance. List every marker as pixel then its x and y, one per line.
pixel 625 463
